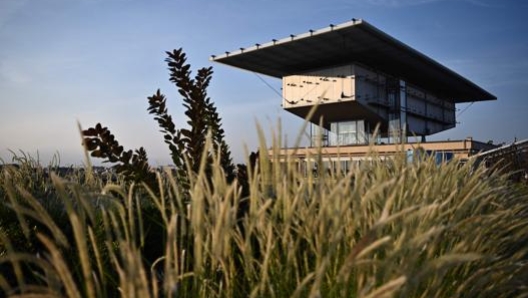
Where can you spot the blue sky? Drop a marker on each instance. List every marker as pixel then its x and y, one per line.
pixel 63 61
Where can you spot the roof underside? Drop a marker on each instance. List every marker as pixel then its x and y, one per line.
pixel 354 42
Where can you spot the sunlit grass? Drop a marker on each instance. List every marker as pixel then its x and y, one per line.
pixel 384 229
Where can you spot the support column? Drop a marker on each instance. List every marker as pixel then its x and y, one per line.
pixel 397 96
pixel 403 111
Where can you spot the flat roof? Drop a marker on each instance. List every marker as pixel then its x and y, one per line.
pixel 355 41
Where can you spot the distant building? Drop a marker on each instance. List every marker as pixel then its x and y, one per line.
pixel 363 79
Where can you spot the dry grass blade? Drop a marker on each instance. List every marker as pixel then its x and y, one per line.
pixel 61 268
pixel 385 228
pixel 388 289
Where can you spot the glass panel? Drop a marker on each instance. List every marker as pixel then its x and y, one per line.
pixel 403 111
pixel 313 134
pixel 332 134
pixel 362 138
pixel 318 136
pixel 347 133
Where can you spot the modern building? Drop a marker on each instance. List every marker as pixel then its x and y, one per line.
pixel 368 88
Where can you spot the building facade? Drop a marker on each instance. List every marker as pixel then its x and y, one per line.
pixel 363 90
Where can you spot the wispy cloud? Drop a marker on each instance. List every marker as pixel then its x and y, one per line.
pixel 402 3
pixel 486 3
pixel 19 70
pixel 8 8
pixel 95 1
pixel 11 73
pixel 506 72
pixel 398 3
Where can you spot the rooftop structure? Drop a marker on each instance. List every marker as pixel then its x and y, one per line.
pixel 353 42
pixel 360 78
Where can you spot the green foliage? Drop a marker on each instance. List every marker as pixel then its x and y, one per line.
pixel 172 137
pixel 133 165
pixel 186 145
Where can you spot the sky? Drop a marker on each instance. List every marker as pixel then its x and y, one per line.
pixel 64 62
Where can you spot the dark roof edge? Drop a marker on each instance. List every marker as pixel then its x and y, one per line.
pixel 275 42
pixel 377 33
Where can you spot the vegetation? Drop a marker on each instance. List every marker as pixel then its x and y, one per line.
pixel 383 229
pixel 186 145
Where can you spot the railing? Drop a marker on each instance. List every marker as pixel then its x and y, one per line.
pixel 511 158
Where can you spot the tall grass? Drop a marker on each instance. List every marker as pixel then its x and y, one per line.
pixel 383 229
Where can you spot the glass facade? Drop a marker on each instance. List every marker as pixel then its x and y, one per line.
pixel 340 134
pixel 318 136
pixel 398 114
pixel 344 133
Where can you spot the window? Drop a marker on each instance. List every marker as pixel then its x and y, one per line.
pixel 318 136
pixel 347 133
pixel 340 134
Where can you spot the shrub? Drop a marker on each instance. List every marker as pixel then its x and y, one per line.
pixel 186 145
pixel 384 229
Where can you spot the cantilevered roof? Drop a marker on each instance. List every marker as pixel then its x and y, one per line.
pixel 355 41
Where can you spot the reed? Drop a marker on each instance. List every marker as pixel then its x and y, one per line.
pixel 384 229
